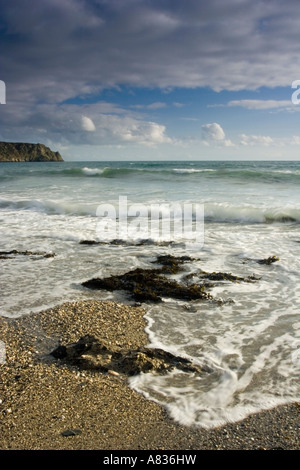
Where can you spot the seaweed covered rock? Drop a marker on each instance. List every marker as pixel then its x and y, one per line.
pixel 219 276
pixel 13 253
pixel 149 284
pixel 171 264
pixel 122 242
pixel 155 284
pixel 92 354
pixel 269 260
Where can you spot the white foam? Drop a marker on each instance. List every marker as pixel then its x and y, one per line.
pixel 92 171
pixel 68 207
pixel 246 213
pixel 2 352
pixel 251 345
pixel 193 170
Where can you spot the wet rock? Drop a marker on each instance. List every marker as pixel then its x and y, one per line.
pixel 172 264
pixel 270 260
pixel 60 352
pixel 219 276
pixel 92 354
pixel 87 343
pixel 149 285
pixel 95 242
pixel 121 242
pixel 13 253
pixel 153 360
pixel 71 432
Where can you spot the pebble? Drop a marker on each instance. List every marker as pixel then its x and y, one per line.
pixel 71 432
pixel 104 413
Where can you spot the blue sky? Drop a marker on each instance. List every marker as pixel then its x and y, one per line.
pixel 152 79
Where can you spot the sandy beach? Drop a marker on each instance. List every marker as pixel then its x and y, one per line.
pixel 46 404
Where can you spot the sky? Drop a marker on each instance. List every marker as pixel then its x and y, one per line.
pixel 152 79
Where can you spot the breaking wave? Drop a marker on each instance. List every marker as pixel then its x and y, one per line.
pixel 213 212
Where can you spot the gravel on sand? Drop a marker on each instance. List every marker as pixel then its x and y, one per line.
pixel 47 405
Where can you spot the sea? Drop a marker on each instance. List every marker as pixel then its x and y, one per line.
pixel 235 217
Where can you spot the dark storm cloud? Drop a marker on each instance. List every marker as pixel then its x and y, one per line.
pixel 68 47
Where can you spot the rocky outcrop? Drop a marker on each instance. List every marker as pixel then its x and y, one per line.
pixel 92 354
pixel 153 285
pixel 24 152
pixel 270 260
pixel 149 285
pixel 36 254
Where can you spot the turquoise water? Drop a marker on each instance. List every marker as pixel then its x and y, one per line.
pixel 251 210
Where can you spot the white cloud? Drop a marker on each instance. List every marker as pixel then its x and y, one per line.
pixel 116 129
pixel 212 133
pixel 141 132
pixel 295 140
pixel 260 104
pixel 90 124
pixel 65 51
pixel 156 105
pixel 255 140
pixel 87 124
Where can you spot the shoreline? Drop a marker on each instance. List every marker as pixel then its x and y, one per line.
pixel 46 404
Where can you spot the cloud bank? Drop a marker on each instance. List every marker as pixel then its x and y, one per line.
pixel 74 47
pixel 55 53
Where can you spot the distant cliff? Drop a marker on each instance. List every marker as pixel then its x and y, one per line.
pixel 22 152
